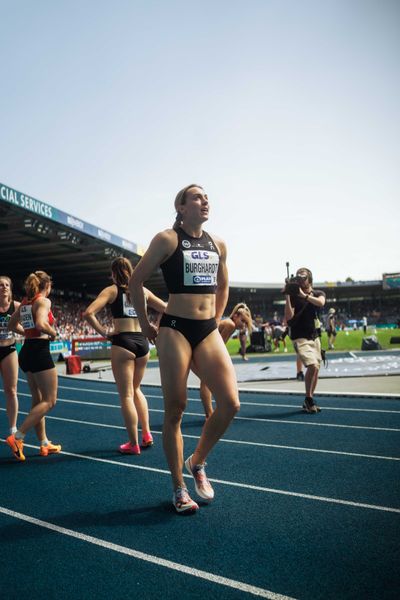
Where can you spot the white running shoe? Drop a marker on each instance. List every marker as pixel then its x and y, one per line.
pixel 183 502
pixel 203 486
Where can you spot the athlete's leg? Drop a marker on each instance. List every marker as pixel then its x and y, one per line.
pixel 36 398
pixel 205 395
pixel 215 368
pixel 175 354
pixel 138 397
pixel 123 368
pixel 43 386
pixel 9 373
pixel 206 398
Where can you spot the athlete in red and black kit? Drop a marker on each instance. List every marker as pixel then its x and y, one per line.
pixel 35 321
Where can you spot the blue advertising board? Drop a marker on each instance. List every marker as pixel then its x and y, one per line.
pixel 42 209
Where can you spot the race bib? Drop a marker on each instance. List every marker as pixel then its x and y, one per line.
pixel 26 315
pixel 127 309
pixel 4 333
pixel 200 267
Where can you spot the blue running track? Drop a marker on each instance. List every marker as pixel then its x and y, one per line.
pixel 306 506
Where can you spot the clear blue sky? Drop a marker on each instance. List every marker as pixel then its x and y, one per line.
pixel 287 112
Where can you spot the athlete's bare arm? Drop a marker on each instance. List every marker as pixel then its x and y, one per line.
pixel 106 296
pixel 226 328
pixel 161 247
pixel 14 323
pixel 222 292
pixel 42 309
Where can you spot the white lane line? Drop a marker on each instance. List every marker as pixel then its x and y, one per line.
pixel 228 441
pixel 242 402
pixel 245 486
pixel 238 418
pixel 156 560
pixel 271 391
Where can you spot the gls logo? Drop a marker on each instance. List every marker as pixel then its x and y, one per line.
pixel 200 255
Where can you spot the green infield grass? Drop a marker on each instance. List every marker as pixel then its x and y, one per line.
pixel 346 341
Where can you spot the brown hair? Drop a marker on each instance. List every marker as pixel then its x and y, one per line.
pixel 36 282
pixel 122 270
pixel 10 298
pixel 180 201
pixel 243 310
pixel 308 272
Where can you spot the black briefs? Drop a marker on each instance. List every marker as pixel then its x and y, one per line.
pixel 35 356
pixel 194 330
pixel 6 350
pixel 134 342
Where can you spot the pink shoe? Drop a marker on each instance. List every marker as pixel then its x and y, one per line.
pixel 147 440
pixel 129 448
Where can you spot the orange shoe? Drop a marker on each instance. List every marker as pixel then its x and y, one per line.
pixel 50 449
pixel 17 447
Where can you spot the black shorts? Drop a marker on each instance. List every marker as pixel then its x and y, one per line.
pixel 194 330
pixel 135 342
pixel 6 350
pixel 35 356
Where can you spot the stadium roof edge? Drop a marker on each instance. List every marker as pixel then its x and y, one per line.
pixel 42 209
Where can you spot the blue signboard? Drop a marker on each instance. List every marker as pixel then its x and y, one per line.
pixel 25 202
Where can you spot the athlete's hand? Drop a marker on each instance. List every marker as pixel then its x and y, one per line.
pixel 151 332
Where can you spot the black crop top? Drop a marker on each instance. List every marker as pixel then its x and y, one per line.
pixel 193 267
pixel 4 318
pixel 122 308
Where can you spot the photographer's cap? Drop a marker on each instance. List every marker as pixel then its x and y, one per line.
pixel 331 311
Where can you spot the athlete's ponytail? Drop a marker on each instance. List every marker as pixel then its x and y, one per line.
pixel 122 270
pixel 180 201
pixel 35 283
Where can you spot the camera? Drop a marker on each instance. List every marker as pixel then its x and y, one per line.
pixel 292 285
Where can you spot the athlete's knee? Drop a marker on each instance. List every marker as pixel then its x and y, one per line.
pixel 230 406
pixel 173 414
pixel 51 401
pixel 10 392
pixel 235 406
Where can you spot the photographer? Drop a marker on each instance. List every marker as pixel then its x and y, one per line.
pixel 302 307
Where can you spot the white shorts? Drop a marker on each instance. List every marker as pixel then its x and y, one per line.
pixel 309 351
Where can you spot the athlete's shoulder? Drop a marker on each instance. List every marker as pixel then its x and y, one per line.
pixel 166 237
pixel 226 326
pixel 162 246
pixel 219 243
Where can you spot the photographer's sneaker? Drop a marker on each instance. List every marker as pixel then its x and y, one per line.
pixel 182 501
pixel 300 376
pixel 310 407
pixel 203 486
